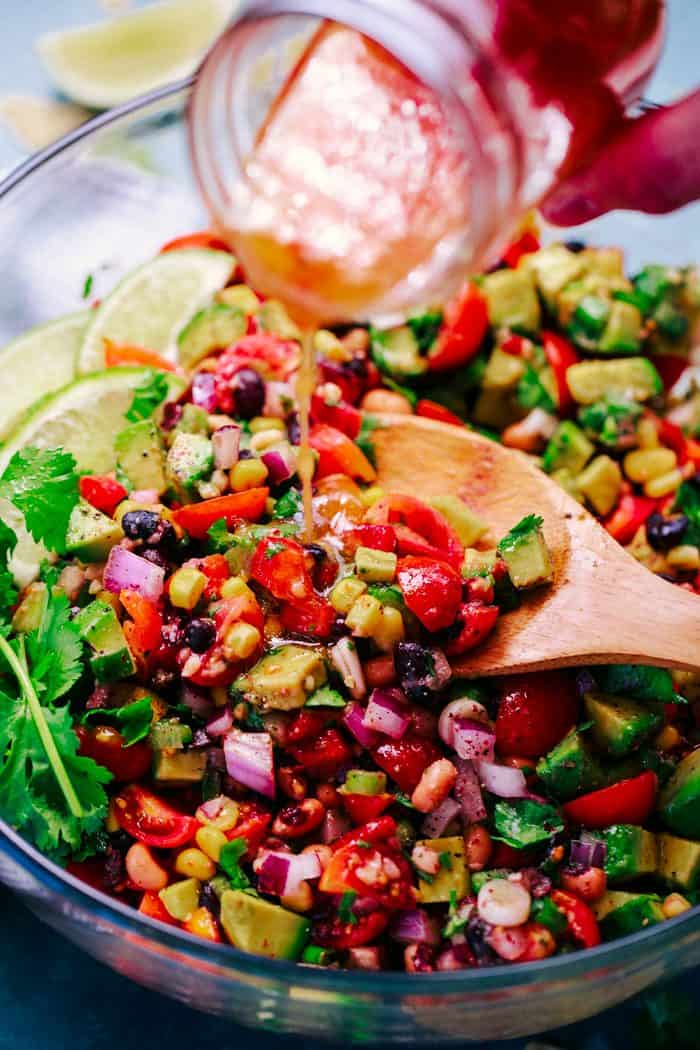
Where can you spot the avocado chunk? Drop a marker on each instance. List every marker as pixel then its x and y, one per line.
pixel 570 769
pixel 452 879
pixel 282 680
pixel 679 861
pixel 169 733
pixel 100 628
pixel 554 267
pixel 30 611
pixel 512 299
pixel 606 262
pixel 210 329
pixel 568 449
pixel 255 925
pixel 190 459
pixel 194 420
pixel 181 898
pixel 526 554
pixel 496 409
pixel 364 782
pixel 175 767
pixel 631 852
pixel 469 526
pixel 396 352
pixel 91 534
pixel 273 316
pixel 140 456
pixel 621 913
pixel 620 725
pixel 375 566
pixel 600 483
pixel 326 696
pixel 680 800
pixel 634 378
pixel 623 332
pixel 503 371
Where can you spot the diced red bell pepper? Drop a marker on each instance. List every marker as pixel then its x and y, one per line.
pixel 143 631
pixel 535 712
pixel 315 617
pixel 393 893
pixel 332 933
pixel 420 529
pixel 342 416
pixel 197 518
pixel 671 435
pixel 630 513
pixel 692 451
pixel 106 746
pixel 200 239
pixel 253 822
pixel 279 564
pixel 526 243
pixel 477 621
pixel 91 871
pixel 406 760
pixel 337 454
pixel 432 590
pixel 433 410
pixel 627 802
pixel 515 345
pixel 102 492
pixel 670 367
pixel 215 568
pixel 505 856
pixel 361 808
pixel 352 381
pixel 466 321
pixel 308 723
pixel 244 607
pixel 376 537
pixel 373 831
pixel 582 924
pixel 324 755
pixel 152 906
pixel 560 355
pixel 119 354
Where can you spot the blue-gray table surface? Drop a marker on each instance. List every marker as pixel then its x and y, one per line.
pixel 52 995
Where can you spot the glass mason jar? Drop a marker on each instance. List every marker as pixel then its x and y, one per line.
pixel 524 92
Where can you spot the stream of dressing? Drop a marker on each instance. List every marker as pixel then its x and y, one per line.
pixel 306 384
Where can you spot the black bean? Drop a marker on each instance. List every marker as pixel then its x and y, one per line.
pixel 208 899
pixel 575 246
pixel 664 533
pixel 248 393
pixel 140 524
pixel 200 634
pixel 172 414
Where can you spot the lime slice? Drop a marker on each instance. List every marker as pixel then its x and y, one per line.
pixel 153 304
pixel 40 361
pixel 107 63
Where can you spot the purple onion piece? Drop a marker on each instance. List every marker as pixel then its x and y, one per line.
pixel 347 663
pixel 221 722
pixel 126 571
pixel 280 463
pixel 354 722
pixel 250 760
pixel 334 825
pixel 588 852
pixel 386 713
pixel 434 825
pixel 414 927
pixel 472 740
pixel 503 781
pixel 226 443
pixel 467 791
pixel 204 391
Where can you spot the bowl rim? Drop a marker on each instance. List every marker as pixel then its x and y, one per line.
pixel 383 984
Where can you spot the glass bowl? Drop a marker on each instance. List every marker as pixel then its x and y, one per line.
pixel 98 202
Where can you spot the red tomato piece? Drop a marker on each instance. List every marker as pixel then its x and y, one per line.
pixel 215 568
pixel 143 633
pixel 152 906
pixel 418 526
pixel 671 435
pixel 337 454
pixel 200 239
pixel 432 590
pixel 627 802
pixel 106 746
pixel 280 565
pixel 201 923
pixel 560 355
pixel 151 819
pixel 582 924
pixel 432 410
pixel 515 345
pixel 534 713
pixel 465 323
pixel 232 610
pixel 272 357
pixel 631 512
pixel 332 933
pixel 308 723
pixel 253 822
pixel 527 242
pixel 353 381
pixel 361 808
pixel 314 617
pixel 374 831
pixel 670 367
pixel 197 518
pixel 406 760
pixel 119 354
pixel 505 856
pixel 323 756
pixel 343 416
pixel 102 492
pixel 384 874
pixel 376 537
pixel 477 621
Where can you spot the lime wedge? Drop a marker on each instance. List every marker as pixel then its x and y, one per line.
pixel 107 63
pixel 153 304
pixel 40 361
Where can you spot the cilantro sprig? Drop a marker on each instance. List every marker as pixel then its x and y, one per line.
pixel 148 396
pixel 43 485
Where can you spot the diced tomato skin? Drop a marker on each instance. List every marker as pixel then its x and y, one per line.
pixel 420 529
pixel 253 822
pixel 465 324
pixel 374 831
pixel 671 435
pixel 280 565
pixel 143 633
pixel 339 875
pixel 215 568
pixel 433 410
pixel 106 746
pixel 514 345
pixel 150 819
pixel 337 454
pixel 323 756
pixel 560 355
pixel 505 856
pixel 118 354
pixel 308 723
pixel 152 906
pixel 199 239
pixel 197 518
pixel 314 617
pixel 343 416
pixel 406 760
pixel 376 537
pixel 361 808
pixel 352 384
pixel 478 620
pixel 523 245
pixel 626 802
pixel 331 933
pixel 631 513
pixel 581 922
pixel 692 451
pixel 535 712
pixel 102 492
pixel 432 590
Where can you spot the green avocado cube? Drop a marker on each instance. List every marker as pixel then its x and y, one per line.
pixel 679 803
pixel 91 534
pixel 396 353
pixel 255 925
pixel 570 769
pixel 600 483
pixel 190 459
pixel 503 371
pixel 100 628
pixel 620 725
pixel 622 913
pixel 526 556
pixel 375 566
pixel 512 299
pixel 623 332
pixel 283 679
pixel 140 458
pixel 679 861
pixel 210 329
pixel 177 768
pixel 630 852
pixel 467 524
pixel 364 782
pixel 554 267
pixel 633 378
pixel 568 449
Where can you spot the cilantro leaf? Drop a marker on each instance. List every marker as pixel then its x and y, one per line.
pixel 425 328
pixel 87 287
pixel 219 538
pixel 229 862
pixel 522 822
pixel 288 505
pixel 43 485
pixel 134 719
pixel 688 502
pixel 8 591
pixel 364 438
pixel 531 392
pixel 345 913
pixel 55 650
pixel 545 911
pixel 147 396
pixel 522 531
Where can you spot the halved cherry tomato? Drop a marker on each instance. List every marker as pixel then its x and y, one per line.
pixel 197 518
pixel 215 568
pixel 280 565
pixel 527 242
pixel 337 454
pixel 390 885
pixel 342 416
pixel 315 617
pixel 432 410
pixel 515 345
pixel 627 802
pixel 582 924
pixel 630 513
pixel 376 537
pixel 106 746
pixel 309 722
pixel 102 492
pixel 466 321
pixel 323 756
pixel 407 759
pixel 432 590
pixel 535 711
pixel 560 355
pixel 143 631
pixel 477 620
pixel 420 529
pixel 200 239
pixel 253 822
pixel 332 933
pixel 353 377
pixel 152 906
pixel 151 819
pixel 361 808
pixel 117 354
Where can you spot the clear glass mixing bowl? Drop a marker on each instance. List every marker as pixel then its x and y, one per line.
pixel 98 202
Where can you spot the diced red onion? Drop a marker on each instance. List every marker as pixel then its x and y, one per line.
pixel 204 391
pixel 473 740
pixel 334 825
pixel 414 927
pixel 503 781
pixel 226 442
pixel 278 399
pixel 588 852
pixel 280 463
pixel 347 663
pixel 281 873
pixel 465 707
pixel 126 571
pixel 467 791
pixel 386 713
pixel 145 496
pixel 436 822
pixel 250 760
pixel 354 722
pixel 367 957
pixel 197 701
pixel 220 723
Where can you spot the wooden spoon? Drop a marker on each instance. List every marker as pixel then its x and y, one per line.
pixel 603 607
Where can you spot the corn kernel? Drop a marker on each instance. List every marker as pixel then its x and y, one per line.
pixel 195 864
pixel 372 495
pixel 375 566
pixel 664 485
pixel 390 629
pixel 211 841
pixel 327 344
pixel 260 424
pixel 645 464
pixel 345 594
pixel 221 813
pixel 180 899
pixel 247 474
pixel 685 557
pixel 363 618
pixel 235 587
pixel 111 822
pixel 600 483
pixel 186 587
pixel 265 439
pixel 647 434
pixel 675 904
pixel 241 641
pixel 668 739
pixel 239 295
